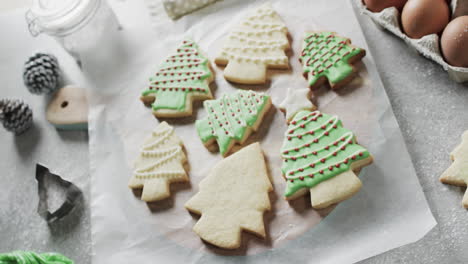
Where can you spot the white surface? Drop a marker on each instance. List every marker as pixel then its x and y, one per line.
pixel 8 5
pixel 63 152
pixel 388 212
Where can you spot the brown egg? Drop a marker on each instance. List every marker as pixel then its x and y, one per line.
pixel 461 9
pixel 454 42
pixel 423 17
pixel 379 5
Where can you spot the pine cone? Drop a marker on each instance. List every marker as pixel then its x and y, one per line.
pixel 15 115
pixel 41 73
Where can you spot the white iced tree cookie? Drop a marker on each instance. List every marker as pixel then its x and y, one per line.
pixel 178 8
pixel 457 173
pixel 159 164
pixel 233 198
pixel 295 101
pixel 254 45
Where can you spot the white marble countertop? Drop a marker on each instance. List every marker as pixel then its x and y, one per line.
pixel 430 108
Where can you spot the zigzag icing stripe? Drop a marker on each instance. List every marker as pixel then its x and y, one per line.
pixel 170 152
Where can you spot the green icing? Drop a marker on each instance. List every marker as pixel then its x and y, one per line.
pixel 27 257
pixel 317 147
pixel 180 74
pixel 78 126
pixel 229 117
pixel 324 54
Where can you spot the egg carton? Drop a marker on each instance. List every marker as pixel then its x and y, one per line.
pixel 428 45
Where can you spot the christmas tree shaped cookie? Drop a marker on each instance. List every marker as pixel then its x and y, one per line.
pixel 253 46
pixel 232 118
pixel 320 155
pixel 326 56
pixel 181 79
pixel 159 164
pixel 457 173
pixel 233 198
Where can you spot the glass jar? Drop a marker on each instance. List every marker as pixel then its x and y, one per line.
pixel 78 25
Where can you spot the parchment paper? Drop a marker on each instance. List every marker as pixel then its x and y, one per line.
pixel 389 211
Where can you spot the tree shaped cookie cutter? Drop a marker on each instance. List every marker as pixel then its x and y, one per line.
pixel 73 194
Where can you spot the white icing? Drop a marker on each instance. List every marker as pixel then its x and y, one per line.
pixel 161 174
pixel 254 47
pixel 161 137
pixel 256 39
pixel 345 139
pixel 230 105
pixel 178 8
pixel 165 156
pixel 288 176
pixel 258 58
pixel 162 156
pixel 295 101
pixel 160 152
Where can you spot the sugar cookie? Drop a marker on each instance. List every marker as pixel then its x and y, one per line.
pixel 179 8
pixel 159 164
pixel 253 46
pixel 321 156
pixel 181 79
pixel 326 56
pixel 296 100
pixel 232 198
pixel 457 173
pixel 232 118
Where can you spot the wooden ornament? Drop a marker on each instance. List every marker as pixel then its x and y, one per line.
pixel 68 109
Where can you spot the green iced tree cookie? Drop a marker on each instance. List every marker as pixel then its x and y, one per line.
pixel 326 56
pixel 316 149
pixel 232 118
pixel 182 78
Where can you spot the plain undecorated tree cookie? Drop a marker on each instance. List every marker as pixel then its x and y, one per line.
pixel 232 198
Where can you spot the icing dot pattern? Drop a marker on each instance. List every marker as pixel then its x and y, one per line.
pixel 260 38
pixel 180 74
pixel 178 8
pixel 326 55
pixel 316 148
pixel 230 116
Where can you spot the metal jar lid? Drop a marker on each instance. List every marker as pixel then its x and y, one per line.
pixel 59 17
